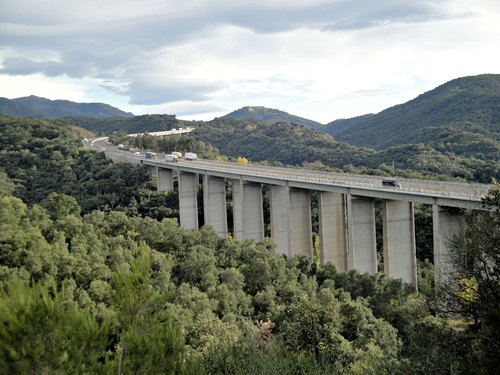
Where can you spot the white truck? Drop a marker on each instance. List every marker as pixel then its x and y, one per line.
pixel 171 158
pixel 190 156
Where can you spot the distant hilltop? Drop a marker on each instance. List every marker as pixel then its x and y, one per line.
pixel 42 108
pixel 254 108
pixel 271 115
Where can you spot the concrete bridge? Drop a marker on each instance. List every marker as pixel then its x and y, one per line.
pixel 346 210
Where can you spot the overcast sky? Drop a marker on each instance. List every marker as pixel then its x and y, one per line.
pixel 319 59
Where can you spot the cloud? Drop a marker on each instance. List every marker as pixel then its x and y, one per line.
pixel 190 110
pixel 143 92
pixel 298 54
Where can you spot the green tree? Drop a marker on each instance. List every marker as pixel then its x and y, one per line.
pixel 42 333
pixel 471 286
pixel 61 205
pixel 148 341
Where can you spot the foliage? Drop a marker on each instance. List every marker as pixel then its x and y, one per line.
pixel 271 115
pixel 42 157
pixel 464 107
pixel 42 332
pixel 159 299
pixel 42 108
pixel 471 280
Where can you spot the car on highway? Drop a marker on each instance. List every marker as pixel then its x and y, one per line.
pixel 391 183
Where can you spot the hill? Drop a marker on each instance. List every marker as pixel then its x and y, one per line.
pixel 37 107
pixel 463 112
pixel 129 125
pixel 12 108
pixel 287 144
pixel 271 115
pixel 336 126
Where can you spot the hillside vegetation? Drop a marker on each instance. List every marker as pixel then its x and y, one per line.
pixel 297 145
pixel 12 108
pixel 40 108
pixel 334 127
pixel 137 124
pixel 271 115
pixel 464 112
pixel 96 278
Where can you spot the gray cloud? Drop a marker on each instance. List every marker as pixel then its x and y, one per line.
pixel 114 49
pixel 144 92
pixel 24 66
pixel 93 48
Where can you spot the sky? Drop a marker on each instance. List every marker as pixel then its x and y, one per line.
pixel 318 59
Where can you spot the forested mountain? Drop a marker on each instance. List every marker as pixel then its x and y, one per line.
pixel 37 107
pixel 334 127
pixel 271 115
pixel 298 145
pixel 96 277
pixel 136 124
pixel 464 112
pixel 12 108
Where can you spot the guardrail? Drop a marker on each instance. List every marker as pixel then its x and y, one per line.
pixel 450 190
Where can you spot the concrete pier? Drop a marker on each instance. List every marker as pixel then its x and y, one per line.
pixel 400 259
pixel 446 223
pixel 346 211
pixel 248 213
pixel 188 204
pixel 164 179
pixel 361 234
pixel 300 209
pixel 332 217
pixel 281 219
pixel 214 203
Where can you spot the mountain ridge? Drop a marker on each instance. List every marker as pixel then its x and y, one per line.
pixel 467 104
pixel 270 115
pixel 41 108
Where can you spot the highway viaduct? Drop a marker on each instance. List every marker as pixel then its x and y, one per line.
pixel 346 210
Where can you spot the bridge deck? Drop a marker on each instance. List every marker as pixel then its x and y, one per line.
pixel 429 192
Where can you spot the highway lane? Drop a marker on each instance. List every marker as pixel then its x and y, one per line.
pixel 448 189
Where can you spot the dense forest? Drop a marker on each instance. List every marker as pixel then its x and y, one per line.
pixel 97 277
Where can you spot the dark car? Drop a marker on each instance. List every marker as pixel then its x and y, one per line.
pixel 391 183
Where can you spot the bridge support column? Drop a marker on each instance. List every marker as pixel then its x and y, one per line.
pixel 281 219
pixel 361 234
pixel 446 223
pixel 332 229
pixel 164 179
pixel 400 259
pixel 248 214
pixel 188 204
pixel 214 203
pixel 300 204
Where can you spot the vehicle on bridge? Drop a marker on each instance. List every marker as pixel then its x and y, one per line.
pixel 137 153
pixel 150 155
pixel 171 158
pixel 120 146
pixel 391 183
pixel 190 156
pixel 178 154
